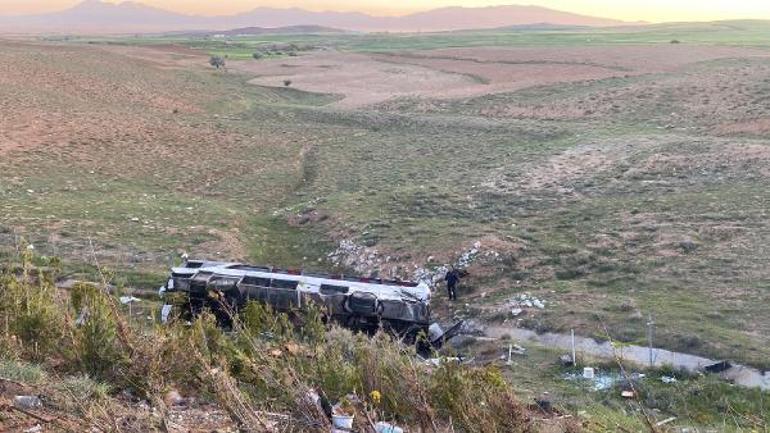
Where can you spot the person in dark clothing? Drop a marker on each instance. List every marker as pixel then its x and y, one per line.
pixel 452 277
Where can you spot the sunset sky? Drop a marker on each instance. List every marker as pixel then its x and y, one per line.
pixel 631 10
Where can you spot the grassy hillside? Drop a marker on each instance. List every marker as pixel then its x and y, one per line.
pixel 610 198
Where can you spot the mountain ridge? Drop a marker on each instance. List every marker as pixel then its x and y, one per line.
pixel 97 16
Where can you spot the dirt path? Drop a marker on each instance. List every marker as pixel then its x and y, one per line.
pixel 738 374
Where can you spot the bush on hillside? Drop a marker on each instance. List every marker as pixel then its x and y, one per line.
pixel 270 362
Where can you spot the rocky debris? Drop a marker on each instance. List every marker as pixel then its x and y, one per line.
pixel 523 302
pixel 472 327
pixel 688 245
pixel 367 260
pixel 362 259
pixel 434 276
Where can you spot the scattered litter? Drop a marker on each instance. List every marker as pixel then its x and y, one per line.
pixel 435 362
pixel 27 402
pixel 435 332
pixel 344 422
pixel 668 379
pixel 600 382
pixel 36 429
pixel 665 421
pixel 343 412
pixel 516 312
pixel 588 373
pixel 384 427
pixel 165 312
pixel 718 367
pixel 313 396
pixel 128 300
pixel 627 394
pixel 566 360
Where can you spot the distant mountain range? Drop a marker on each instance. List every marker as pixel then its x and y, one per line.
pixel 96 16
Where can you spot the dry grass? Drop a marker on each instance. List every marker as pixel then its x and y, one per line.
pixel 264 374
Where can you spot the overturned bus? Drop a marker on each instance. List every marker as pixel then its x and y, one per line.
pixel 361 304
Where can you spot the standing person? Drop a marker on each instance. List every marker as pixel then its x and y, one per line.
pixel 452 277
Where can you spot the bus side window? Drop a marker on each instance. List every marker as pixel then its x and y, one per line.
pixel 284 284
pixel 328 289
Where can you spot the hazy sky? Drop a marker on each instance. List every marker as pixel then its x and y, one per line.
pixel 632 10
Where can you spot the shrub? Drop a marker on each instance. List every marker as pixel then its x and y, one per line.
pixel 96 347
pixel 217 61
pixel 32 320
pixel 478 400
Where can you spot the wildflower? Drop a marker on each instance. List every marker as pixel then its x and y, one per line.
pixel 375 396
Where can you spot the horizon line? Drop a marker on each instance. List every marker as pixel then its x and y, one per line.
pixel 297 8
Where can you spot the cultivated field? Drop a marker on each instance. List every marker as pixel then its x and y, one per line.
pixel 614 179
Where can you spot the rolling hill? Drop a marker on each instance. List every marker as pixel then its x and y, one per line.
pixel 96 16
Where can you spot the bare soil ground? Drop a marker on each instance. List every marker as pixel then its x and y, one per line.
pixel 366 79
pixel 362 79
pixel 627 58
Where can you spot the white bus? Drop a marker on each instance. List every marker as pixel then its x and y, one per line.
pixel 364 304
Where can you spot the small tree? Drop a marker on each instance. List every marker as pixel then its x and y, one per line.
pixel 217 61
pixel 257 55
pixel 287 83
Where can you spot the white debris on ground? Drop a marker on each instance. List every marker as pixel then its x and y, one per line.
pixel 435 275
pixel 368 261
pixel 472 327
pixel 128 300
pixel 668 379
pixel 435 362
pixel 524 301
pixel 364 260
pixel 599 382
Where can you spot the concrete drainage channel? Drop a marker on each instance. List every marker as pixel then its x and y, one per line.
pixel 739 374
